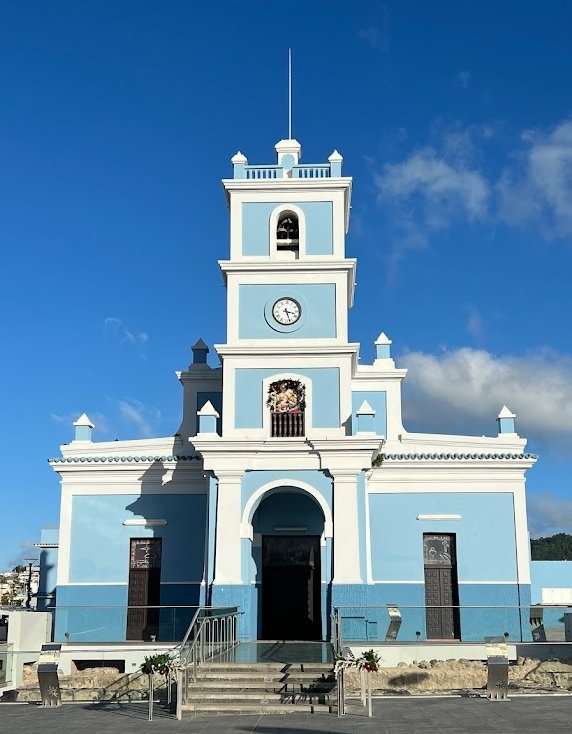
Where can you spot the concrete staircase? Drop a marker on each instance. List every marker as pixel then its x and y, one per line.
pixel 263 688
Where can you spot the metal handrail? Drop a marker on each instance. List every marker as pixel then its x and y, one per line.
pixel 212 634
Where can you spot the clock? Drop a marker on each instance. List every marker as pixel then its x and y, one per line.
pixel 286 311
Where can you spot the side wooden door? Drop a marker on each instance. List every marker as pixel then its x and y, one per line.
pixel 441 587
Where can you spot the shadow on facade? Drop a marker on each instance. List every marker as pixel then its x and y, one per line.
pixel 166 554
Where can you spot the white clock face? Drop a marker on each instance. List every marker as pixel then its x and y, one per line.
pixel 286 311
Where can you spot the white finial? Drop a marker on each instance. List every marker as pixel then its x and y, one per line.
pixel 289 94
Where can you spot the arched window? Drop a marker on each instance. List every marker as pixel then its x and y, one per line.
pixel 288 233
pixel 287 403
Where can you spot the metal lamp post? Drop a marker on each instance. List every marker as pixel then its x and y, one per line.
pixel 30 562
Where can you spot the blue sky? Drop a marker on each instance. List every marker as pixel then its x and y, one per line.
pixel 117 123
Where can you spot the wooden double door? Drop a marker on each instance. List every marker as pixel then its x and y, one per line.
pixel 291 584
pixel 441 587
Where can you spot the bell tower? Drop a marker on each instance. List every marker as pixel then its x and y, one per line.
pixel 289 288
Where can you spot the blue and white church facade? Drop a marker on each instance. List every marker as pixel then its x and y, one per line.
pixel 291 486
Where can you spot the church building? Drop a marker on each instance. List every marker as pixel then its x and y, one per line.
pixel 291 486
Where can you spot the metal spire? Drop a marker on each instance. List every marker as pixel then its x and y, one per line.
pixel 289 94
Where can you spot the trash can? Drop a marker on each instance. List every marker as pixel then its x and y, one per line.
pixel 394 622
pixel 568 626
pixel 536 623
pixel 497 677
pixel 48 675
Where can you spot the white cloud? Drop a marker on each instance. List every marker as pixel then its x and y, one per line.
pixel 549 515
pixel 116 327
pixel 444 189
pixel 144 419
pixel 537 187
pixel 467 387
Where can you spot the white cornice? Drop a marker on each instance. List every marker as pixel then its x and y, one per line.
pixel 448 443
pixel 265 266
pixel 351 453
pixel 309 349
pixel 368 372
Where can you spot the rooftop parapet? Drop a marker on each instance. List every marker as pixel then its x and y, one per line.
pixel 288 166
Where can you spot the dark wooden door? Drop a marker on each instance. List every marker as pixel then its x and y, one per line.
pixel 441 588
pixel 291 586
pixel 144 590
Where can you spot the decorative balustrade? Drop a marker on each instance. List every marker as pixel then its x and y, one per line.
pixel 262 172
pixel 287 425
pixel 271 172
pixel 311 172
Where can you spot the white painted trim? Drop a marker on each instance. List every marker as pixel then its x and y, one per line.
pixel 423 485
pixel 93 485
pixel 141 521
pixel 439 517
pixel 510 582
pixel 64 536
pixel 94 583
pixel 255 498
pixel 522 539
pixel 399 582
pixel 467 583
pixel 368 560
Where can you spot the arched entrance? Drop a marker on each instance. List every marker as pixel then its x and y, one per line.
pixel 288 529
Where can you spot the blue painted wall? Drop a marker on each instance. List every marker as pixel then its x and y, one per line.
pixel 486 548
pixel 378 401
pixel 549 575
pixel 317 302
pixel 99 550
pixel 486 610
pixel 253 480
pixel 250 401
pixel 256 226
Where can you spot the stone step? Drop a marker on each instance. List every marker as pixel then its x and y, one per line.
pixel 261 696
pixel 297 675
pixel 303 667
pixel 257 708
pixel 262 685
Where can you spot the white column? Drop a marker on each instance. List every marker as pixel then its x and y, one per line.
pixel 229 512
pixel 346 529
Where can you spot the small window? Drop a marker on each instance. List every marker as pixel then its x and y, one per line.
pixel 288 234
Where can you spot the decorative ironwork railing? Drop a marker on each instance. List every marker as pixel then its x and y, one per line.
pixel 287 425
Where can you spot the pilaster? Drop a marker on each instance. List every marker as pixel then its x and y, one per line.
pixel 229 512
pixel 347 567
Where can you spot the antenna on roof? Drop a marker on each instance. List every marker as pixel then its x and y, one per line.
pixel 289 94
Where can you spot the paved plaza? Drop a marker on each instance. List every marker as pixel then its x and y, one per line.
pixel 521 715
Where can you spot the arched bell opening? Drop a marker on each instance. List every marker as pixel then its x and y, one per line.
pixel 288 235
pixel 289 553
